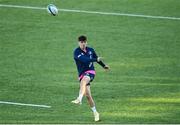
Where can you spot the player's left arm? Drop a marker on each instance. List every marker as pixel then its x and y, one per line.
pixel 99 61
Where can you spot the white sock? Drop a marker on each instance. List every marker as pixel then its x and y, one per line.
pixel 94 109
pixel 80 97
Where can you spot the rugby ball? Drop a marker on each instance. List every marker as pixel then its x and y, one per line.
pixel 52 9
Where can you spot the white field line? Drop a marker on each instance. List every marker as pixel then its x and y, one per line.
pixel 95 12
pixel 23 104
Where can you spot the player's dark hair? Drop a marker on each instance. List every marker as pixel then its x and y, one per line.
pixel 82 38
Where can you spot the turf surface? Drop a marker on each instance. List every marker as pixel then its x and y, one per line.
pixel 37 66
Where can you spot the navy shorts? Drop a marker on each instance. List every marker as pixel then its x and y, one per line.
pixel 91 76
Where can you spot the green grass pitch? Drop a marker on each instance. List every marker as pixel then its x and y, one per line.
pixel 37 66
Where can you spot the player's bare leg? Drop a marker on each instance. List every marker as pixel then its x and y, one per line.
pixel 91 103
pixel 89 97
pixel 82 90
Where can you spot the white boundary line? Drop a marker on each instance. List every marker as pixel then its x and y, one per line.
pixel 23 104
pixel 95 12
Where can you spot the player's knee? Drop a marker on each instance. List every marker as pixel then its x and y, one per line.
pixel 88 96
pixel 87 93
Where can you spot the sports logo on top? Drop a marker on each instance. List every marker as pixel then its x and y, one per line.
pixel 52 9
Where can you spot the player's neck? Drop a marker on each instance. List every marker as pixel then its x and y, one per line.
pixel 84 49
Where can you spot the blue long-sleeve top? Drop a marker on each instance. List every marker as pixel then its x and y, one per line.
pixel 84 60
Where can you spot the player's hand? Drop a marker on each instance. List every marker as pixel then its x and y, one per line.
pixel 106 67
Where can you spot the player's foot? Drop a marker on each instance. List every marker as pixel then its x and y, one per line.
pixel 96 116
pixel 76 101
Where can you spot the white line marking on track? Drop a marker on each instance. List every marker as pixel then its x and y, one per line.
pixel 23 104
pixel 95 12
